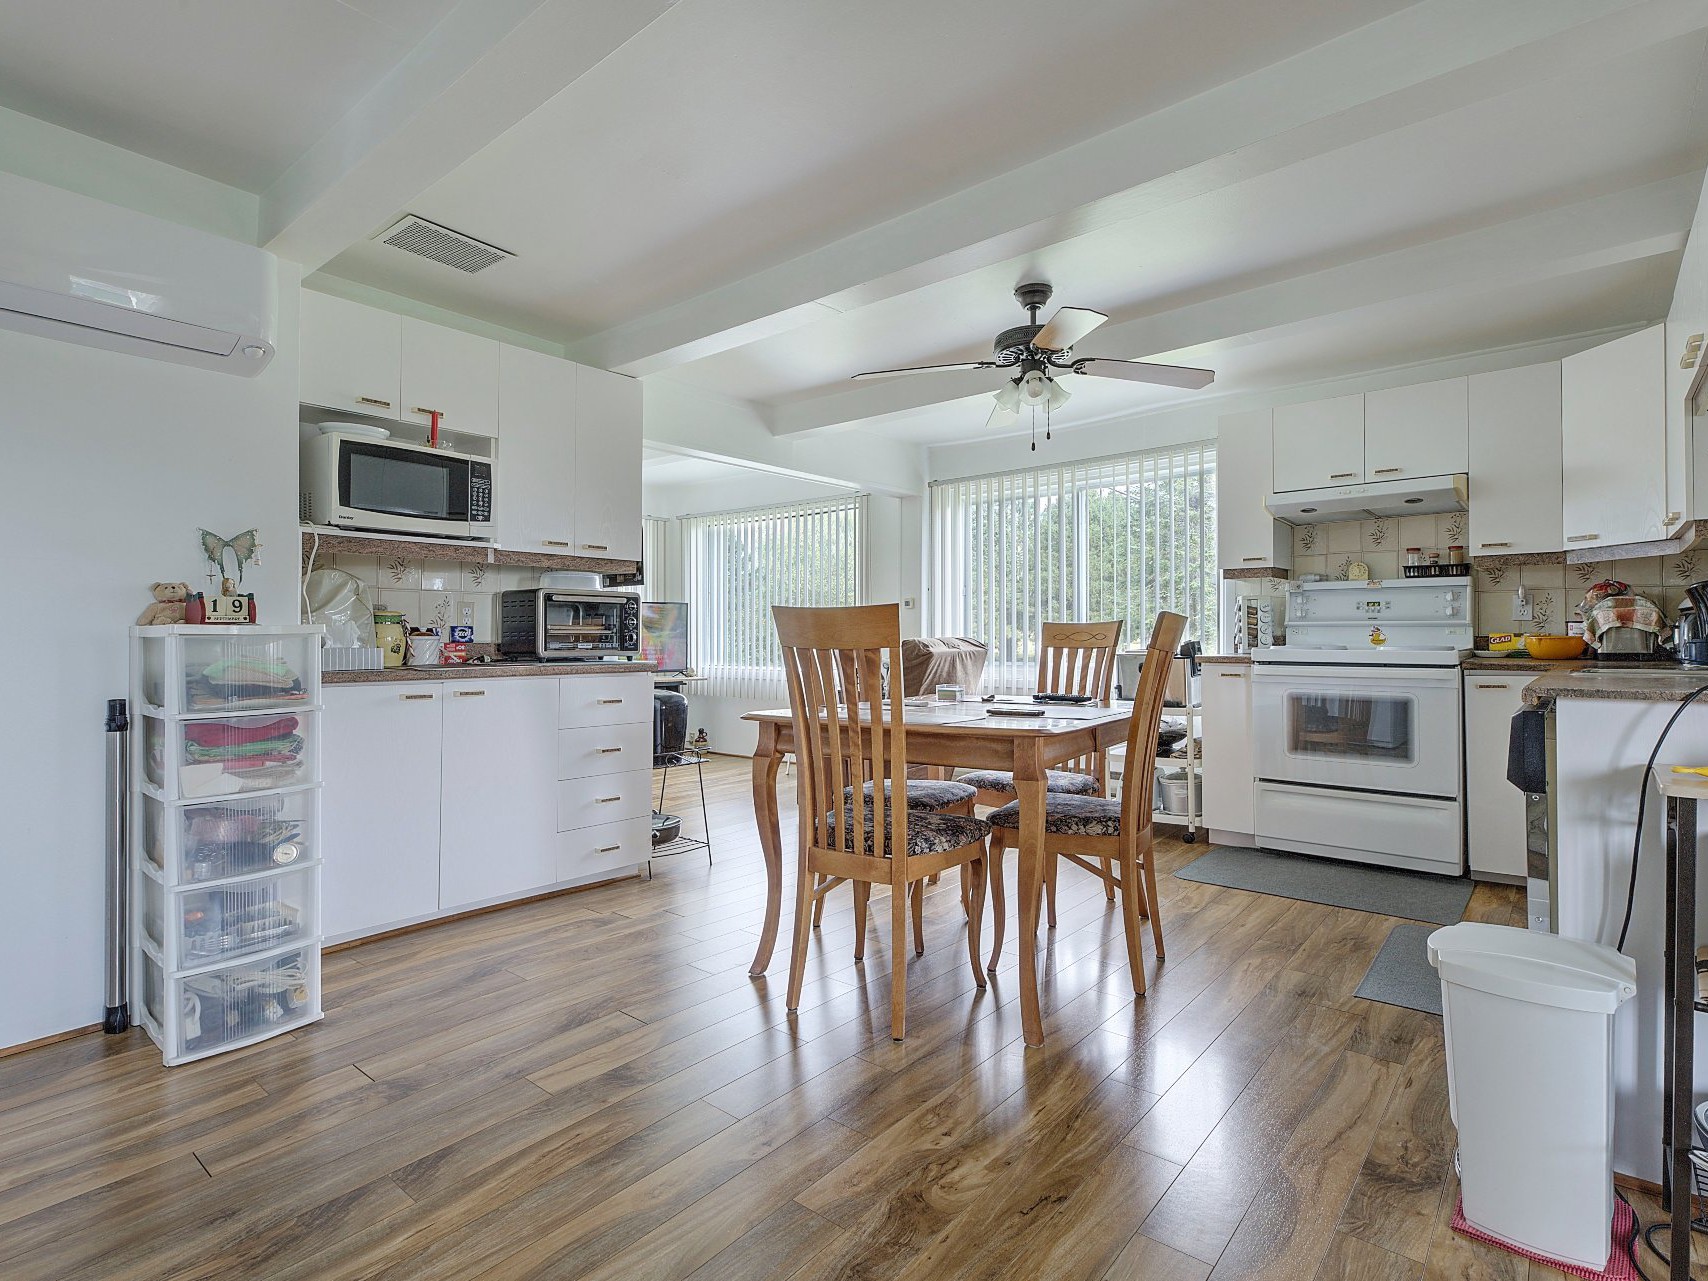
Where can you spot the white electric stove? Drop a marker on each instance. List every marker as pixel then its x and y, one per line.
pixel 1357 724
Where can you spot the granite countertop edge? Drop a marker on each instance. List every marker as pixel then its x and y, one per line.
pixel 484 671
pixel 1240 659
pixel 1558 685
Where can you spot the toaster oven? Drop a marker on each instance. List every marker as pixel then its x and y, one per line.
pixel 548 624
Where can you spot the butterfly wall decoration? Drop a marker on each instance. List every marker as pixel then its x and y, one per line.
pixel 245 547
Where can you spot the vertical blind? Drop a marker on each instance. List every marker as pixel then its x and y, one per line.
pixel 1121 537
pixel 741 563
pixel 653 534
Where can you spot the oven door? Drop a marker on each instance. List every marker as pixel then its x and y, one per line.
pixel 1368 728
pixel 572 625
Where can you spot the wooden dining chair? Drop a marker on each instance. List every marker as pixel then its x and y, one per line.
pixel 1073 658
pixel 1117 833
pixel 847 735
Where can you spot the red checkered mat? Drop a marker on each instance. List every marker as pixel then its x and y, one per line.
pixel 1619 1266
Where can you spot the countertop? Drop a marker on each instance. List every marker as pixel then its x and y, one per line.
pixel 484 671
pixel 1242 659
pixel 1527 664
pixel 1631 683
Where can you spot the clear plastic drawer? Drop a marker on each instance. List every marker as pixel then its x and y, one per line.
pixel 201 926
pixel 225 755
pixel 227 669
pixel 211 840
pixel 221 1009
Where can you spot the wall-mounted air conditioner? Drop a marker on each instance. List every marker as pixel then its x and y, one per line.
pixel 84 271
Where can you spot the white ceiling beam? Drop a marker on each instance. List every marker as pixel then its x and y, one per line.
pixel 488 65
pixel 1431 58
pixel 1624 226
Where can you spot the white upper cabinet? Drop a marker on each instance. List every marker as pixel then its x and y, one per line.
pixel 1515 462
pixel 452 372
pixel 350 356
pixel 607 487
pixel 1416 431
pixel 536 453
pixel 1319 444
pixel 1613 443
pixel 1247 536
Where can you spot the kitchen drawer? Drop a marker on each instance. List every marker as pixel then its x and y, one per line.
pixel 220 1009
pixel 603 798
pixel 188 844
pixel 1414 832
pixel 203 926
pixel 609 847
pixel 604 700
pixel 604 749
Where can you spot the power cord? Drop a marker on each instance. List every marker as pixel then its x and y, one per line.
pixel 1642 807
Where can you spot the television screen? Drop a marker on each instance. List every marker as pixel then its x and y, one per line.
pixel 664 634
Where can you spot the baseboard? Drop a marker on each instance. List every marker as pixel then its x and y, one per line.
pixel 416 927
pixel 43 1041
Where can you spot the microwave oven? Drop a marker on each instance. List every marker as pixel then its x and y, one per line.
pixel 351 482
pixel 557 625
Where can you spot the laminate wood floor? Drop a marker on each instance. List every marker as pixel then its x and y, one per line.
pixel 591 1087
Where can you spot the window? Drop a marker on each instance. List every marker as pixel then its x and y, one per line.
pixel 653 539
pixel 743 562
pixel 1118 537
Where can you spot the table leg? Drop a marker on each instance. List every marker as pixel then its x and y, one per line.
pixel 766 760
pixel 1029 789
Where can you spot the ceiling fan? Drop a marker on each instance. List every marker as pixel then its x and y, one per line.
pixel 1039 352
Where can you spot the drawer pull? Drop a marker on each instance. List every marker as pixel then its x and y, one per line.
pixel 607 849
pixel 373 400
pixel 1494 544
pixel 608 702
pixel 606 751
pixel 1583 538
pixel 1342 475
pixel 1231 676
pixel 1480 685
pixel 606 800
pixel 469 693
pixel 1249 559
pixel 1387 471
pixel 553 542
pixel 594 547
pixel 413 698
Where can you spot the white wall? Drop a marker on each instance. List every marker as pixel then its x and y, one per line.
pixel 114 462
pixel 1688 315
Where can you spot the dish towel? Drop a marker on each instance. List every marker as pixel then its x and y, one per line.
pixel 1619 1267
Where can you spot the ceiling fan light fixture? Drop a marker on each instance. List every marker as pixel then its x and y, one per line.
pixel 1059 396
pixel 1035 389
pixel 1009 397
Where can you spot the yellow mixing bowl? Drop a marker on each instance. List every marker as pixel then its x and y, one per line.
pixel 1554 646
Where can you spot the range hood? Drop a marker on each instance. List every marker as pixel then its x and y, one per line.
pixel 1424 496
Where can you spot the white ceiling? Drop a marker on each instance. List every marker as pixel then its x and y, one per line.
pixel 758 200
pixel 235 90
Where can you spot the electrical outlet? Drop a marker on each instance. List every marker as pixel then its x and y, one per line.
pixel 907 603
pixel 1523 610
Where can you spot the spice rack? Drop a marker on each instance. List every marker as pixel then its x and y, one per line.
pixel 225 835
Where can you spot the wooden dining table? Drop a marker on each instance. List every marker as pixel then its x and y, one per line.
pixel 968 736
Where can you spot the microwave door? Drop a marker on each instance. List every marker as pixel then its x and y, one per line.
pixel 406 483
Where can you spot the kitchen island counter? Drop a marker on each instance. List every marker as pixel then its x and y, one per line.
pixel 1634 683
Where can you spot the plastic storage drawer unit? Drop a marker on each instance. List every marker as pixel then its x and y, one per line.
pixel 201 1014
pixel 228 669
pixel 188 759
pixel 211 840
pixel 206 925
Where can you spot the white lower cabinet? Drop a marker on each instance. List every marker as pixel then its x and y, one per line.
pixel 1229 763
pixel 441 795
pixel 1494 808
pixel 380 756
pixel 497 807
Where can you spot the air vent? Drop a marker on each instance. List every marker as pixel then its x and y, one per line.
pixel 441 244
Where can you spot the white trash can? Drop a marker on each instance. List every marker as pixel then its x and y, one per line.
pixel 1529 1025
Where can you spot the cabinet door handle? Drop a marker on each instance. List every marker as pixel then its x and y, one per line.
pixel 553 542
pixel 1387 471
pixel 1249 559
pixel 1231 676
pixel 468 693
pixel 607 849
pixel 422 409
pixel 411 698
pixel 1583 538
pixel 373 400
pixel 1672 518
pixel 606 800
pixel 1342 475
pixel 1480 685
pixel 1494 544
pixel 594 547
pixel 608 702
pixel 606 751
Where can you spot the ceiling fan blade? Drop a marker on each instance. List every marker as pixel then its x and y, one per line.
pixel 1000 417
pixel 926 369
pixel 1067 327
pixel 1141 371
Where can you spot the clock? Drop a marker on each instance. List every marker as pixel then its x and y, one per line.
pixel 1357 570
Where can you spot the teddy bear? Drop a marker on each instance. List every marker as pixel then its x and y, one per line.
pixel 168 605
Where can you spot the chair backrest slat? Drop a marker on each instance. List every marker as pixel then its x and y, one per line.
pixel 1136 792
pixel 1079 658
pixel 835 660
